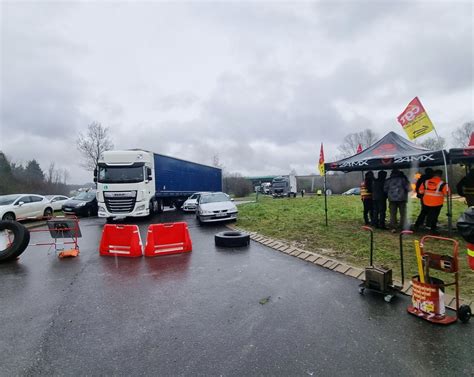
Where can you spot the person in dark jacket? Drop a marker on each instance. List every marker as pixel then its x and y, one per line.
pixel 397 188
pixel 366 196
pixel 424 210
pixel 379 200
pixel 465 188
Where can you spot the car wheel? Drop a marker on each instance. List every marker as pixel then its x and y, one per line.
pixel 20 238
pixel 232 239
pixel 48 212
pixel 9 216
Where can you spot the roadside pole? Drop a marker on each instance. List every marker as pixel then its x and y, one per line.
pixel 325 199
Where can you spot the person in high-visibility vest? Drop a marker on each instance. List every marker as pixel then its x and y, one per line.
pixel 420 220
pixel 465 188
pixel 433 190
pixel 366 196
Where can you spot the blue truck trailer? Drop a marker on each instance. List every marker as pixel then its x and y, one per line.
pixel 135 183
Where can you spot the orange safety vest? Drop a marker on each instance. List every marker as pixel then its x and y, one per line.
pixel 433 190
pixel 364 192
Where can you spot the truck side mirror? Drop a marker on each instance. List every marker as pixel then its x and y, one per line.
pixel 149 174
pixel 95 173
pixel 95 179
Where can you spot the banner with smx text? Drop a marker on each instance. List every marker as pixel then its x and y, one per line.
pixel 415 120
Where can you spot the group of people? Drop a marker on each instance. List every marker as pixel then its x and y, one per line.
pixel 430 189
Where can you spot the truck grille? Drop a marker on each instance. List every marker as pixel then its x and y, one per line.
pixel 119 203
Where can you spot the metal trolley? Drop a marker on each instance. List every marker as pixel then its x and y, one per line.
pixel 428 292
pixel 63 231
pixel 379 279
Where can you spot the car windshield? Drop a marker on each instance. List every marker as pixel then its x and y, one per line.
pixel 194 196
pixel 120 174
pixel 214 198
pixel 89 195
pixel 8 199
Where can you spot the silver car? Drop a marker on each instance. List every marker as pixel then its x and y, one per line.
pixel 191 203
pixel 215 206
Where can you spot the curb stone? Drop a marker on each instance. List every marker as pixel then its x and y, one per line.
pixel 330 264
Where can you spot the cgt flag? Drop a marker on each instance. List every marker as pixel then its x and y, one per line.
pixel 321 160
pixel 415 120
pixel 359 148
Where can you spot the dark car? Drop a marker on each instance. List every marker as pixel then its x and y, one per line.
pixel 352 191
pixel 83 204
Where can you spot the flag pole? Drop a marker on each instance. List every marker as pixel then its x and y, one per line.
pixel 449 214
pixel 325 199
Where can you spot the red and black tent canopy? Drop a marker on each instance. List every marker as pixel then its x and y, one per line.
pixel 390 152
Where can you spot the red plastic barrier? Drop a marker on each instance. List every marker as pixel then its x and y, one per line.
pixel 164 239
pixel 121 241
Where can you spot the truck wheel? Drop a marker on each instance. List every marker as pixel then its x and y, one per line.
pixel 19 238
pixel 153 206
pixel 232 239
pixel 160 206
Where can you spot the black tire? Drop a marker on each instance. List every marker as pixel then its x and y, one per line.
pixel 464 313
pixel 9 216
pixel 20 241
pixel 232 238
pixel 160 206
pixel 153 207
pixel 48 212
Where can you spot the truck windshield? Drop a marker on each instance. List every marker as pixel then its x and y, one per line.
pixel 120 174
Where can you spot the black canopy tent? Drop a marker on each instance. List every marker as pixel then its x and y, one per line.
pixel 391 152
pixel 461 155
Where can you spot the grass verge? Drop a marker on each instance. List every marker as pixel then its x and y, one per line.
pixel 301 222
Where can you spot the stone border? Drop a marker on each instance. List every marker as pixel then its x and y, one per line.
pixel 332 264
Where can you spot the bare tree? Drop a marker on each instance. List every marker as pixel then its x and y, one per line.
pixel 463 133
pixel 92 144
pixel 50 173
pixel 216 162
pixel 350 143
pixel 434 144
pixel 66 176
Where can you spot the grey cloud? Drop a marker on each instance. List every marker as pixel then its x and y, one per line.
pixel 177 100
pixel 39 94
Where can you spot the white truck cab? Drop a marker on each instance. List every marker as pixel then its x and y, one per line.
pixel 125 186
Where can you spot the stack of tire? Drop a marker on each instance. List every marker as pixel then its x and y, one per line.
pixel 20 240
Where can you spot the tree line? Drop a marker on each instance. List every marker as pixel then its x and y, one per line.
pixel 29 178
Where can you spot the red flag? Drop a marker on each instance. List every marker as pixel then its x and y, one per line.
pixel 321 160
pixel 359 148
pixel 471 141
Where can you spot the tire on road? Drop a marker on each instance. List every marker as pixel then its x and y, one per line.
pixel 232 238
pixel 20 241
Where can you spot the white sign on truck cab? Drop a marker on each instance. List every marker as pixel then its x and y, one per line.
pixel 125 184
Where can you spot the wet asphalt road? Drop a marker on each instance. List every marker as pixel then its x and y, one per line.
pixel 199 314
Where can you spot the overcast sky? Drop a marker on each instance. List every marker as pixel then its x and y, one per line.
pixel 260 84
